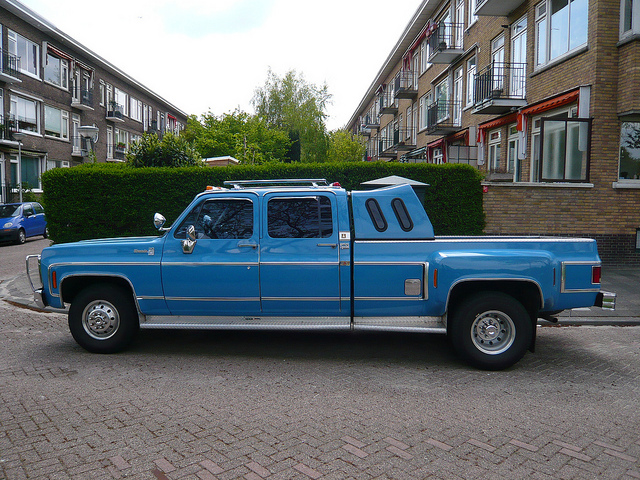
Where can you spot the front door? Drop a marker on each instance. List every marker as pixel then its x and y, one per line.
pixel 220 275
pixel 299 256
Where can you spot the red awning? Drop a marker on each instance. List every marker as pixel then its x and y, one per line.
pixel 436 143
pixel 59 53
pixel 499 122
pixel 556 102
pixel 462 135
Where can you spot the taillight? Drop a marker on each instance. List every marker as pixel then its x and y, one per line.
pixel 596 274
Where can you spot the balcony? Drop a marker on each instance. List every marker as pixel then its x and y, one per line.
pixel 500 88
pixel 399 140
pixel 7 127
pixel 114 112
pixel 445 42
pixel 440 118
pixel 9 68
pixel 406 85
pixel 364 130
pixel 497 8
pixel 388 103
pixel 82 99
pixel 119 151
pixel 371 122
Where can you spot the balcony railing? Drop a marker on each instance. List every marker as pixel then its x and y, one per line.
pixel 371 122
pixel 500 87
pixel 7 127
pixel 9 68
pixel 445 42
pixel 406 84
pixel 388 102
pixel 440 119
pixel 119 151
pixel 114 111
pixel 82 98
pixel 497 8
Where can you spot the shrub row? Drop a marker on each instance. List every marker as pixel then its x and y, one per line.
pixel 106 200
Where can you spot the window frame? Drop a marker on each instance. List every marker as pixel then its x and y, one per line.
pixel 15 115
pixel 636 180
pixel 13 38
pixel 63 71
pixel 567 119
pixel 64 123
pixel 545 18
pixel 634 21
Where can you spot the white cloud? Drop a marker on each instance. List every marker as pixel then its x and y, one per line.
pixel 206 55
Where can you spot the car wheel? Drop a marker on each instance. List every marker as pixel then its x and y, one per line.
pixel 103 319
pixel 491 330
pixel 46 232
pixel 21 238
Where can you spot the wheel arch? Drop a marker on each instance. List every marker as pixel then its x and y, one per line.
pixel 525 291
pixel 72 285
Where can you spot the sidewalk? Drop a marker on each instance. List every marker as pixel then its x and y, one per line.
pixel 625 282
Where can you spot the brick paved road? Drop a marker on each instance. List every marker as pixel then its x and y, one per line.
pixel 200 406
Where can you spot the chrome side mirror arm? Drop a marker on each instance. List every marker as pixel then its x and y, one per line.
pixel 189 243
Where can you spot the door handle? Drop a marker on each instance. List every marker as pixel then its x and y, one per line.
pixel 332 245
pixel 247 245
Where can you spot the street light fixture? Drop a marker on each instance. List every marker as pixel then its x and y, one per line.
pixel 19 136
pixel 90 132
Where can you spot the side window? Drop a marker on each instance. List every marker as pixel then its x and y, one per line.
pixel 404 219
pixel 377 217
pixel 28 209
pixel 220 218
pixel 301 217
pixel 38 208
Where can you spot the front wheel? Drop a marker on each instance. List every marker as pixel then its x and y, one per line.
pixel 491 330
pixel 103 319
pixel 21 238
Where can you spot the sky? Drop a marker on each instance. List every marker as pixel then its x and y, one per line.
pixel 211 55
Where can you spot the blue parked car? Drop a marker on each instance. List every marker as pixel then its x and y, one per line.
pixel 21 220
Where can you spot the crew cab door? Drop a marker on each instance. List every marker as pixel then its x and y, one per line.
pixel 299 255
pixel 219 275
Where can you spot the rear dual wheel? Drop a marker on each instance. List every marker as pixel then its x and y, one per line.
pixel 491 330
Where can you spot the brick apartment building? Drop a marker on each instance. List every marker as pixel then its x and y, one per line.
pixel 51 87
pixel 543 96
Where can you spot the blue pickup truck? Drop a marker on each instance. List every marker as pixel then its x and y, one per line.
pixel 301 254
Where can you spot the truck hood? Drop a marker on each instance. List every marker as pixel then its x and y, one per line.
pixel 102 250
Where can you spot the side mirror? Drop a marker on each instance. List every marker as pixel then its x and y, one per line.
pixel 159 221
pixel 189 243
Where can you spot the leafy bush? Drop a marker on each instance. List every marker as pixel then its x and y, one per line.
pixel 171 151
pixel 107 200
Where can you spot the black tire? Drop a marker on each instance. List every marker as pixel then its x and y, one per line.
pixel 45 234
pixel 103 319
pixel 490 330
pixel 21 238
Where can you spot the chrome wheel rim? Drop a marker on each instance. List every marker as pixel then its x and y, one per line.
pixel 493 332
pixel 100 320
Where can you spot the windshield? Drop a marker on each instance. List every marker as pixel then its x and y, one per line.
pixel 9 211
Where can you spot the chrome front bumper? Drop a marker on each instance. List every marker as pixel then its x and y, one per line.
pixel 606 300
pixel 38 295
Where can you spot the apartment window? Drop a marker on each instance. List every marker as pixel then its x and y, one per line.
pixel 441 95
pixel 495 140
pixel 425 101
pixel 109 143
pixel 102 93
pixel 561 27
pixel 30 169
pixel 630 150
pixel 513 144
pixel 438 156
pixel 136 109
pixel 75 135
pixel 27 51
pixel 457 96
pixel 565 148
pixel 518 71
pixel 56 122
pixel 472 12
pixel 56 71
pixel 424 56
pixel 630 18
pixel 471 79
pixel 26 112
pixel 460 12
pixel 122 99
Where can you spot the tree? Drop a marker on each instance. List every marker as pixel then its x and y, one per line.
pixel 171 151
pixel 298 107
pixel 238 134
pixel 343 147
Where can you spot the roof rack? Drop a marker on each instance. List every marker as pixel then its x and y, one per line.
pixel 283 182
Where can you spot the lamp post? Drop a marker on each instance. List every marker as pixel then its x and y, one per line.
pixel 19 136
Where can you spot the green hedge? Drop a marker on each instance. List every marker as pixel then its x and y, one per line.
pixel 107 200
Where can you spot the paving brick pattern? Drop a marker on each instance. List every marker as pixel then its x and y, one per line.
pixel 181 405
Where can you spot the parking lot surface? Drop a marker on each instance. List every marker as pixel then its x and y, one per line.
pixel 251 405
